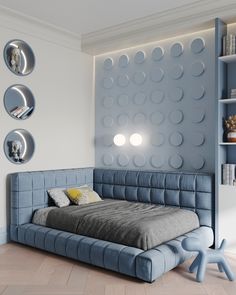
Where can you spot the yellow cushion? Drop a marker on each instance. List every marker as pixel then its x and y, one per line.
pixel 82 195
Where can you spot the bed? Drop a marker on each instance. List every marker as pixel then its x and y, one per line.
pixel 189 191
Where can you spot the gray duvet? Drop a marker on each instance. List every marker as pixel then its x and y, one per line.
pixel 133 224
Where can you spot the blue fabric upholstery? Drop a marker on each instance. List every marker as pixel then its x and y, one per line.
pixel 185 190
pixel 145 265
pixel 29 191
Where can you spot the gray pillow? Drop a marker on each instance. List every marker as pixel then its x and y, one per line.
pixel 59 197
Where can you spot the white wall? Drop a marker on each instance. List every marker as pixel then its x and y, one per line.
pixel 63 121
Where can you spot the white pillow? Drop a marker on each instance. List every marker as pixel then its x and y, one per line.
pixel 59 197
pixel 82 195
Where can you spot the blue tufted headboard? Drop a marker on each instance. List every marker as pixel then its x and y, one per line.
pixel 192 191
pixel 29 190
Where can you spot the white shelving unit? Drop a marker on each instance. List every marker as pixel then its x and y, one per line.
pixel 225 151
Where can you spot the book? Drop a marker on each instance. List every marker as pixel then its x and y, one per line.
pixel 228 173
pixel 24 109
pixel 27 113
pixel 229 47
pixel 18 111
pixel 231 174
pixel 225 173
pixel 13 110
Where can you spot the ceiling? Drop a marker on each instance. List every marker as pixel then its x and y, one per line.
pixel 85 16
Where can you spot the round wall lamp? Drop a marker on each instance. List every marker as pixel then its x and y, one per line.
pixel 136 139
pixel 119 139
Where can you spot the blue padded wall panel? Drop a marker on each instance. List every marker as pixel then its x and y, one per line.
pixel 169 99
pixel 193 191
pixel 29 189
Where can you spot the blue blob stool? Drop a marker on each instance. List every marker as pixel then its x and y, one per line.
pixel 207 256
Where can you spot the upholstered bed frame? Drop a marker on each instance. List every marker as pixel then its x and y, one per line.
pixel 185 190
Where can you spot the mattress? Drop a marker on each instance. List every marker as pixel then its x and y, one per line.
pixel 138 225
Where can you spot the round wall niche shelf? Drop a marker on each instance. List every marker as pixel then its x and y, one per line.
pixel 19 146
pixel 19 57
pixel 19 102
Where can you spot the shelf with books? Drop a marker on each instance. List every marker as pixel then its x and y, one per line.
pixel 19 102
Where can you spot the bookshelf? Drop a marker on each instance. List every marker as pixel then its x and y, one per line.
pixel 225 151
pixel 19 102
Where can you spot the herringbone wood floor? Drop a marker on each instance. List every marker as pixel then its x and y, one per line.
pixel 28 271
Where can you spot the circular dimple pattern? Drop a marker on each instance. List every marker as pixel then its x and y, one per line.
pixel 157 74
pixel 198 91
pixel 157 53
pixel 157 161
pixel 122 120
pixel 108 82
pixel 176 161
pixel 123 100
pixel 197 162
pixel 139 57
pixel 139 118
pixel 157 96
pixel 158 139
pixel 123 61
pixel 139 78
pixel 176 139
pixel 139 160
pixel 122 160
pixel 108 121
pixel 139 98
pixel 108 140
pixel 197 45
pixel 177 72
pixel 176 117
pixel 108 64
pixel 176 49
pixel 108 159
pixel 108 102
pixel 197 68
pixel 197 139
pixel 198 115
pixel 157 118
pixel 176 94
pixel 123 80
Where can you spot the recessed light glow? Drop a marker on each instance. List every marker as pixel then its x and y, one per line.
pixel 136 139
pixel 119 139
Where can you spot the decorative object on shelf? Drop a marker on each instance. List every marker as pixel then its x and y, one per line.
pixel 229 44
pixel 207 256
pixel 19 57
pixel 19 146
pixel 15 150
pixel 19 102
pixel 230 125
pixel 228 173
pixel 233 93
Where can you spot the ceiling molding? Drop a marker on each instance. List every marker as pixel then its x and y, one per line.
pixel 22 23
pixel 170 23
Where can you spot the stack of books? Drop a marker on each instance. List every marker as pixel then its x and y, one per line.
pixel 229 44
pixel 21 112
pixel 229 174
pixel 233 93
